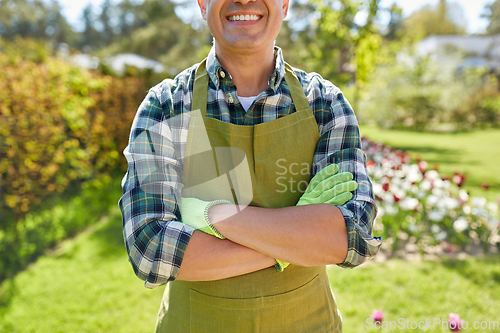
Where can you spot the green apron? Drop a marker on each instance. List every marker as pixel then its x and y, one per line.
pixel 274 161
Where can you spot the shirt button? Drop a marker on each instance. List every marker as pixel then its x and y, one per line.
pixel 222 74
pixel 231 100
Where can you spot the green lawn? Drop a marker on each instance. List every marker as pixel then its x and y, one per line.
pixel 87 285
pixel 475 153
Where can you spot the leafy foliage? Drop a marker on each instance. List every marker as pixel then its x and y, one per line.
pixel 418 93
pixel 444 19
pixel 332 44
pixel 34 19
pixel 59 126
pixel 492 13
pixel 160 34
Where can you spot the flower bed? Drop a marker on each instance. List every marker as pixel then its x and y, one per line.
pixel 419 204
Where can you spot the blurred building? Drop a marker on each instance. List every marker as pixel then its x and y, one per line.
pixel 119 63
pixel 474 51
pixel 84 60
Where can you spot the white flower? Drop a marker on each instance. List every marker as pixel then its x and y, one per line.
pixel 388 197
pixel 406 186
pixel 378 173
pixel 391 210
pixel 435 229
pixel 492 207
pixel 377 189
pixel 414 174
pixel 432 200
pixel 436 216
pixel 492 223
pixel 479 202
pixel 463 195
pixel 440 236
pixel 399 173
pixel 399 193
pixel 432 175
pixel 467 209
pixel 437 191
pixel 451 203
pixel 414 189
pixel 438 183
pixel 396 180
pixel 413 227
pixel 421 194
pixel 425 185
pixel 460 224
pixel 408 203
pixel 387 164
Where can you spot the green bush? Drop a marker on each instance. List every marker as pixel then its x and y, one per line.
pixel 60 126
pixel 417 93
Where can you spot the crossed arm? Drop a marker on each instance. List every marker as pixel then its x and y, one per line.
pixel 161 248
pixel 306 235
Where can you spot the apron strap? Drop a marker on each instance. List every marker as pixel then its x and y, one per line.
pixel 296 91
pixel 200 89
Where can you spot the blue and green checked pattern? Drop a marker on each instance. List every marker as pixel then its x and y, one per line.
pixel 154 235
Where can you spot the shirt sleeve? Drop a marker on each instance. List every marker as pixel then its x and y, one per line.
pixel 154 236
pixel 340 143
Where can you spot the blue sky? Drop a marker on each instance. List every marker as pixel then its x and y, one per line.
pixel 472 9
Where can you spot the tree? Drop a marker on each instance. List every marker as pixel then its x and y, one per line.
pixel 153 30
pixel 396 24
pixel 443 19
pixel 107 33
pixel 492 13
pixel 89 33
pixel 34 19
pixel 331 43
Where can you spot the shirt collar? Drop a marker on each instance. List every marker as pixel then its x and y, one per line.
pixel 220 76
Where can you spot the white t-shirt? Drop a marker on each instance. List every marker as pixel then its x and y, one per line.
pixel 246 102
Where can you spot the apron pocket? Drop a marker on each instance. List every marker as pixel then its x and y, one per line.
pixel 304 309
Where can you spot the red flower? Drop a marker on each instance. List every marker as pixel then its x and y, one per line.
pixel 455 322
pixel 422 165
pixel 459 178
pixel 385 186
pixel 485 186
pixel 377 316
pixel 396 199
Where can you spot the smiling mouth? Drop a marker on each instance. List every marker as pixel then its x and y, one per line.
pixel 244 18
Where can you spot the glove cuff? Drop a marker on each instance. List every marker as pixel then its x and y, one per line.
pixel 207 220
pixel 281 265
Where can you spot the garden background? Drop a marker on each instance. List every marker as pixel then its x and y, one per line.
pixel 431 136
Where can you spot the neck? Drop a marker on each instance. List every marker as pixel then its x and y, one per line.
pixel 250 71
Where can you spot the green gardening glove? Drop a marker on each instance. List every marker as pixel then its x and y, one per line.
pixel 195 214
pixel 328 186
pixel 281 265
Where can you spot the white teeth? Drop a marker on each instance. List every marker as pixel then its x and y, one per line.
pixel 243 18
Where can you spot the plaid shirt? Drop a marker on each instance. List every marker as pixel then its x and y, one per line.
pixel 155 237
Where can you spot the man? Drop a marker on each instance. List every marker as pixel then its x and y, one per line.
pixel 230 261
